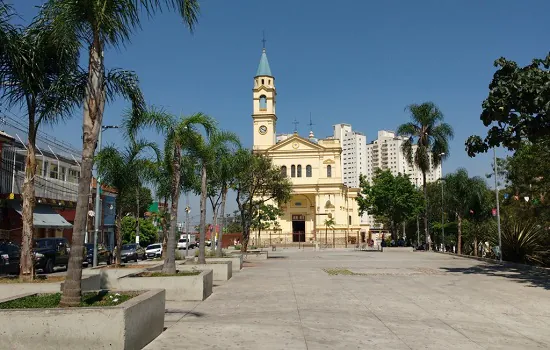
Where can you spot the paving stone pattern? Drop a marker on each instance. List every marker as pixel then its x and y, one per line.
pixel 392 301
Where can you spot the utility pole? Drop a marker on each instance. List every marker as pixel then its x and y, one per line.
pixel 498 204
pixel 97 217
pixel 137 213
pixel 187 211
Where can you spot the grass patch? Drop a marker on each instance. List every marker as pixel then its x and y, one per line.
pixel 339 271
pixel 126 266
pixel 43 301
pixel 37 279
pixel 208 254
pixel 161 274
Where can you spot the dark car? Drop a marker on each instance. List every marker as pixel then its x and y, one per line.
pixel 104 255
pixel 50 253
pixel 132 251
pixel 9 258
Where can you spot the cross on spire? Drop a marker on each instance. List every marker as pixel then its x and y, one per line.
pixel 310 122
pixel 295 122
pixel 263 39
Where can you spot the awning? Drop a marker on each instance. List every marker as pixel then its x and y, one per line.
pixel 44 216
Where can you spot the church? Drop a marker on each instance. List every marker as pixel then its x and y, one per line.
pixel 314 168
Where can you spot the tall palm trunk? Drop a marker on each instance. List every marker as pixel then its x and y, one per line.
pixel 202 246
pixel 26 271
pixel 164 229
pixel 459 229
pixel 118 224
pixel 219 247
pixel 170 259
pixel 213 233
pixel 425 188
pixel 94 105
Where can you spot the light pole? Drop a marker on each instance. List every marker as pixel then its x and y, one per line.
pixel 498 204
pixel 97 218
pixel 442 210
pixel 187 211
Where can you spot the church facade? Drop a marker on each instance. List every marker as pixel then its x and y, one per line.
pixel 315 170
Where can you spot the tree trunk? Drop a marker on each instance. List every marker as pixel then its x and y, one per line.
pixel 425 187
pixel 26 271
pixel 164 223
pixel 214 224
pixel 246 236
pixel 219 247
pixel 326 236
pixel 475 246
pixel 202 246
pixel 118 224
pixel 94 105
pixel 170 259
pixel 459 229
pixel 333 239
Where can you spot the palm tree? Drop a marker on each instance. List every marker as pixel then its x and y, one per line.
pixel 221 173
pixel 329 223
pixel 426 133
pixel 123 170
pixel 98 25
pixel 41 78
pixel 209 149
pixel 183 145
pixel 464 196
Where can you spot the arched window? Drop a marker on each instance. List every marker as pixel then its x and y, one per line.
pixel 283 170
pixel 308 170
pixel 329 171
pixel 299 171
pixel 293 171
pixel 263 102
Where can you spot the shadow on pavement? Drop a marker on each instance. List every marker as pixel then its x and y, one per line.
pixel 535 278
pixel 181 311
pixel 277 257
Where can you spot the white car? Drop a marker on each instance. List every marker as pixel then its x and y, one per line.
pixel 153 251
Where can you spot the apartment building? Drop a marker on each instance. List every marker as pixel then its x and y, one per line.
pixel 353 157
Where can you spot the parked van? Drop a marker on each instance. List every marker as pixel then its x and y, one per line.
pixel 182 243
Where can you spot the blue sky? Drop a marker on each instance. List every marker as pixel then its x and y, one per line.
pixel 357 62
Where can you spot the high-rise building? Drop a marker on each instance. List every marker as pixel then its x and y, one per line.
pixel 354 150
pixel 385 153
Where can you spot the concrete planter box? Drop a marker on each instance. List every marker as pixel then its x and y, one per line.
pixel 178 288
pixel 256 255
pixel 222 270
pixel 109 276
pixel 236 261
pixel 130 325
pixel 88 283
pixel 397 249
pixel 8 290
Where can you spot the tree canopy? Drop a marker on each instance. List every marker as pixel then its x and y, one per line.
pixel 391 197
pixel 517 108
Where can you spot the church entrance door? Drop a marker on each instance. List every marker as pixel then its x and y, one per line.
pixel 298 228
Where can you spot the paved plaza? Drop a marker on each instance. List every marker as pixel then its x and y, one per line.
pixel 371 300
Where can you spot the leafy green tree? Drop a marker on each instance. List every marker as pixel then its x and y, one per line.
pixel 147 231
pixel 97 25
pixel 517 107
pixel 429 134
pixel 129 201
pixel 257 182
pixel 41 78
pixel 465 197
pixel 263 216
pixel 392 197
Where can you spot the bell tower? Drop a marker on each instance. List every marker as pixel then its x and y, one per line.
pixel 264 97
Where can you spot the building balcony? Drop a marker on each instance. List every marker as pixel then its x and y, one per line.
pixel 45 188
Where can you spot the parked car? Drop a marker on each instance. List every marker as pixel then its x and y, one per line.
pixel 103 254
pixel 132 251
pixel 154 250
pixel 9 258
pixel 51 252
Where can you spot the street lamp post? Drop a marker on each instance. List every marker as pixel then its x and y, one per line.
pixel 97 218
pixel 498 204
pixel 442 210
pixel 187 211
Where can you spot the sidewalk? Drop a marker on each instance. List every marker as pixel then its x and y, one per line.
pixel 393 301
